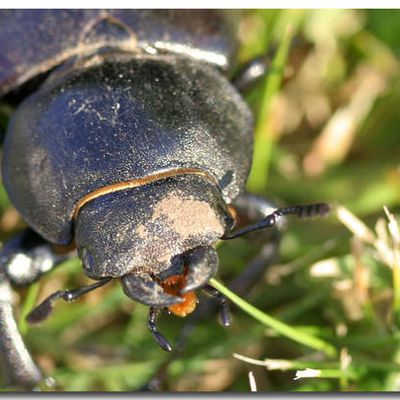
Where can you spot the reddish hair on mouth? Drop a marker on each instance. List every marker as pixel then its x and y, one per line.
pixel 173 285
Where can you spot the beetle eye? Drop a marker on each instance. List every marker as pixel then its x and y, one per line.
pixel 86 258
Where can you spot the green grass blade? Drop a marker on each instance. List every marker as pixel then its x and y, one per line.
pixel 29 303
pixel 263 140
pixel 279 326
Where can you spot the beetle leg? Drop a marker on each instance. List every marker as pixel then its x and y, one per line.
pixel 43 310
pixel 223 302
pixel 158 337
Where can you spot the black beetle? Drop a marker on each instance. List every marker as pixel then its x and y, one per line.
pixel 130 140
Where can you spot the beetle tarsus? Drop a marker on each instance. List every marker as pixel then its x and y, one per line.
pixel 271 220
pixel 158 337
pixel 43 310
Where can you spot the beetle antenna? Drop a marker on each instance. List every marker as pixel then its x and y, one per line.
pixel 301 211
pixel 43 310
pixel 225 315
pixel 158 337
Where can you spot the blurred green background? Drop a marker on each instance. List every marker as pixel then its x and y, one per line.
pixel 328 126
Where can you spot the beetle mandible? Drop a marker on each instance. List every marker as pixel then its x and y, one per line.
pixel 130 141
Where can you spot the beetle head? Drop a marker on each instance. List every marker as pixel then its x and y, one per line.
pixel 156 238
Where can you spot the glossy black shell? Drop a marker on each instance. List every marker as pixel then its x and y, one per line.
pixel 33 42
pixel 117 119
pixel 138 92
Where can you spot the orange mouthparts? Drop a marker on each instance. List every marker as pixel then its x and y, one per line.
pixel 173 285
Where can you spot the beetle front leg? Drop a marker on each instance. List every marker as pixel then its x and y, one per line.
pixel 23 260
pixel 163 342
pixel 43 310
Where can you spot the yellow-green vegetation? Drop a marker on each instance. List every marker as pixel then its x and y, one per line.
pixel 326 316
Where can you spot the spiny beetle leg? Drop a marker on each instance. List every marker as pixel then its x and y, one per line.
pixel 43 310
pixel 255 269
pixel 163 342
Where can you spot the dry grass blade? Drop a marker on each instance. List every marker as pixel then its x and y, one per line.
pixel 252 382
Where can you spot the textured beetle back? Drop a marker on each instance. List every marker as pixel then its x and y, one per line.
pixel 119 120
